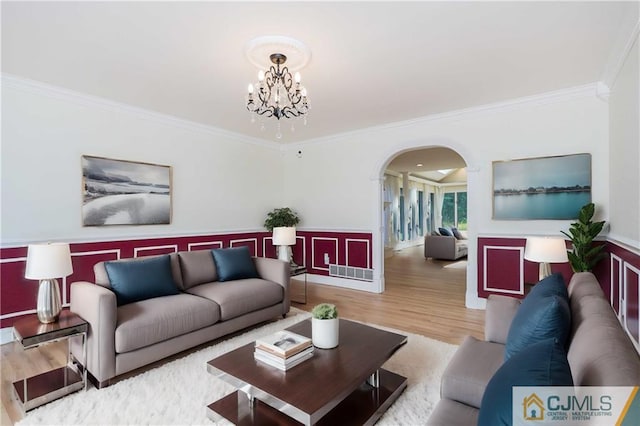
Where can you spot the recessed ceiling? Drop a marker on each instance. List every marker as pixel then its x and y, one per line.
pixel 434 164
pixel 371 62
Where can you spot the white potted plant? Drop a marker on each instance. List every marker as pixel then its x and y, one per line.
pixel 325 326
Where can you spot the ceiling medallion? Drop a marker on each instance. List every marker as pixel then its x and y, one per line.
pixel 277 93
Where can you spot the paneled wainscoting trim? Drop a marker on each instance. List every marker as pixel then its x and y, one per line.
pixel 18 295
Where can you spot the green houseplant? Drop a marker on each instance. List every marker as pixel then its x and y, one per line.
pixel 584 254
pixel 325 326
pixel 325 311
pixel 282 217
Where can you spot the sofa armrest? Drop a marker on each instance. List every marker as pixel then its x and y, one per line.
pixel 97 305
pixel 440 247
pixel 498 316
pixel 277 271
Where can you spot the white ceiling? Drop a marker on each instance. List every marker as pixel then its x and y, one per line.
pixel 371 62
pixel 426 163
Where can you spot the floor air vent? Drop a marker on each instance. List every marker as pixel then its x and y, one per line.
pixel 351 272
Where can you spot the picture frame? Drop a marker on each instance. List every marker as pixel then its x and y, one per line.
pixel 542 188
pixel 122 192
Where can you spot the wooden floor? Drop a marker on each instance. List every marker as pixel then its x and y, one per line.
pixel 421 297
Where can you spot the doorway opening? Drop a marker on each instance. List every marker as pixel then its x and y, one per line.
pixel 424 192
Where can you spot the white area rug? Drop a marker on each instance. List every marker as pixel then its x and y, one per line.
pixel 178 392
pixel 461 264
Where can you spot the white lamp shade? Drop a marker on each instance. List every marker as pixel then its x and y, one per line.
pixel 284 236
pixel 47 261
pixel 546 249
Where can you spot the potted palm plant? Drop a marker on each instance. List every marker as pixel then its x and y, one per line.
pixel 585 255
pixel 325 326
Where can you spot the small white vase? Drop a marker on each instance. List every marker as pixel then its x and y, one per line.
pixel 324 332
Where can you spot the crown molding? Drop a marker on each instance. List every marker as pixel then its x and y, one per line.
pixel 66 95
pixel 620 53
pixel 584 91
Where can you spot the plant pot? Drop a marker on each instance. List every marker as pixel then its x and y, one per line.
pixel 324 332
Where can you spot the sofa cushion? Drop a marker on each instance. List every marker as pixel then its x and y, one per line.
pixel 445 232
pixel 472 366
pixel 552 285
pixel 239 297
pixel 234 263
pixel 197 267
pixel 457 234
pixel 141 280
pixel 543 364
pixel 537 319
pixel 144 323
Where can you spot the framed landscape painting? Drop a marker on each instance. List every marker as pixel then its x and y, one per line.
pixel 118 192
pixel 551 188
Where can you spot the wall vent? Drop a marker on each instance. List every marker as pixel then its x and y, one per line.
pixel 351 272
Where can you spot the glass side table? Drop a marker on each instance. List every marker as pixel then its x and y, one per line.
pixel 299 270
pixel 37 390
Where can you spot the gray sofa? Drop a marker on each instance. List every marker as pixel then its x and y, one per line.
pixel 444 247
pixel 123 338
pixel 599 352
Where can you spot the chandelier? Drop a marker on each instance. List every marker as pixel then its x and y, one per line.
pixel 277 93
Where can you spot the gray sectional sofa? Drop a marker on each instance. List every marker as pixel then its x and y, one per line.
pixel 599 353
pixel 123 337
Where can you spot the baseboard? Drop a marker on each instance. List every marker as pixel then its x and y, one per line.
pixel 472 301
pixel 6 335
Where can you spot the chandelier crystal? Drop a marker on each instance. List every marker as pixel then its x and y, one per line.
pixel 278 94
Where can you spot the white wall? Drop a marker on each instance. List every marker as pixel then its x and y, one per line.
pixel 624 134
pixel 337 181
pixel 221 182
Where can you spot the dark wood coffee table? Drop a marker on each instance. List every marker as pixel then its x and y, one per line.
pixel 345 385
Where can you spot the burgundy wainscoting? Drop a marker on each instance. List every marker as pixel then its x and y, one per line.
pixel 18 295
pixel 502 268
pixel 343 248
pixel 620 277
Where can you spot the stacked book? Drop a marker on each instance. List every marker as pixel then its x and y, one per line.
pixel 283 350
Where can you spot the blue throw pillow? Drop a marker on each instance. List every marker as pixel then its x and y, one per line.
pixel 234 263
pixel 445 232
pixel 142 279
pixel 538 319
pixel 541 364
pixel 550 286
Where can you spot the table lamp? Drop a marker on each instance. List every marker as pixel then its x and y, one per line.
pixel 545 250
pixel 47 262
pixel 284 237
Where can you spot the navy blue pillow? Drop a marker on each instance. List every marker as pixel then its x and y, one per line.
pixel 542 364
pixel 141 279
pixel 234 263
pixel 445 232
pixel 553 285
pixel 538 318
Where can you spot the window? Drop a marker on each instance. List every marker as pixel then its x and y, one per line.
pixel 454 210
pixel 420 223
pixel 402 218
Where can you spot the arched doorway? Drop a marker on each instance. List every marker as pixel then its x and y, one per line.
pixel 471 298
